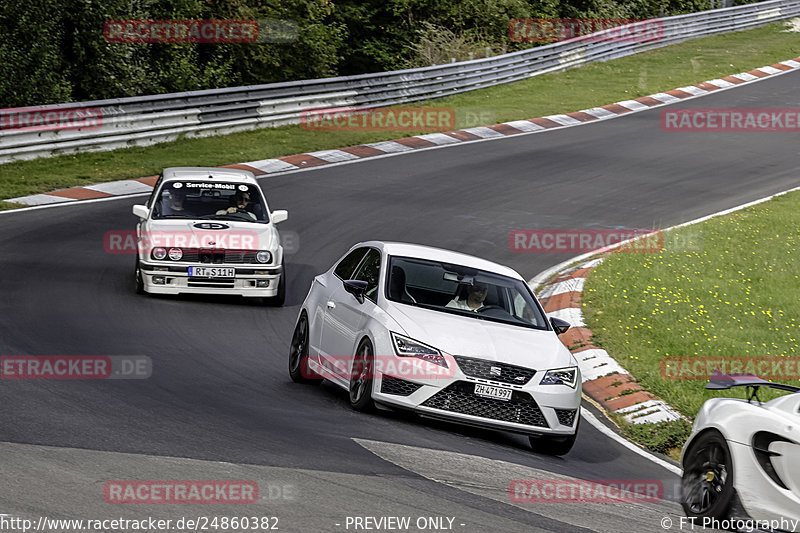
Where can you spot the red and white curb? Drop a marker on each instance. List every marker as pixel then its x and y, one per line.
pixel 431 140
pixel 604 380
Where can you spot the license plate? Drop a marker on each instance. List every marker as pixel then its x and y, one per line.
pixel 492 392
pixel 212 272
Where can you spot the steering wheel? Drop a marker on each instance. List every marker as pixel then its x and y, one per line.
pixel 483 308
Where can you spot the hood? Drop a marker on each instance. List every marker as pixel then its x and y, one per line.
pixel 482 339
pixel 232 235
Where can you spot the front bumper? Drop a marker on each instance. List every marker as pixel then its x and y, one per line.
pixel 533 409
pixel 250 280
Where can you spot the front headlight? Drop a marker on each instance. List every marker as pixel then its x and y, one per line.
pixel 159 253
pixel 175 254
pixel 263 256
pixel 406 347
pixel 561 376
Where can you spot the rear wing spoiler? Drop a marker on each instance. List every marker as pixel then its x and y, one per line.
pixel 720 381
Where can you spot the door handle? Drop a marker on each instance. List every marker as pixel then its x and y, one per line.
pixel 331 305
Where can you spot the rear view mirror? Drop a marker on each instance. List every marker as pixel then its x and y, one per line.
pixel 141 211
pixel 450 276
pixel 561 326
pixel 356 288
pixel 279 216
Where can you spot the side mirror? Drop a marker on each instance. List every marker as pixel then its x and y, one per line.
pixel 356 288
pixel 561 326
pixel 279 216
pixel 141 211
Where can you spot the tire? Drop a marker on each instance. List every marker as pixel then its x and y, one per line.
pixel 298 354
pixel 279 299
pixel 361 377
pixel 707 482
pixel 550 445
pixel 138 277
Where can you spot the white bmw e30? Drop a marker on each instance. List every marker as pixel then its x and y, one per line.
pixel 209 230
pixel 443 334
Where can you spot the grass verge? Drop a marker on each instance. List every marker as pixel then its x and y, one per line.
pixel 724 289
pixel 588 86
pixel 666 438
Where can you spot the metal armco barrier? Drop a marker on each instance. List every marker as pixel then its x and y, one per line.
pixel 145 120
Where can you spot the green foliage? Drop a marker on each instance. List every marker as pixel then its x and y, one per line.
pixel 32 67
pixel 54 50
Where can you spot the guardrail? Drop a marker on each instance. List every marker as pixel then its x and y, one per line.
pixel 145 120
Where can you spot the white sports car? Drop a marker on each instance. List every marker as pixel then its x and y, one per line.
pixel 744 453
pixel 209 230
pixel 443 334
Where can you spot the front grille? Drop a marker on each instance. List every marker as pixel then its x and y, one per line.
pixel 240 256
pixel 460 398
pixel 399 387
pixel 566 416
pixel 483 369
pixel 218 257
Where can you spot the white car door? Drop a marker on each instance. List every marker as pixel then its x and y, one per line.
pixel 344 269
pixel 345 316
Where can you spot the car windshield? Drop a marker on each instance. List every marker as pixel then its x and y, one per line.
pixel 462 290
pixel 210 200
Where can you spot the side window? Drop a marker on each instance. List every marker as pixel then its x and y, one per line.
pixel 369 271
pixel 346 266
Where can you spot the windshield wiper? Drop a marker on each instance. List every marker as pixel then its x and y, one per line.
pixel 239 217
pixel 521 323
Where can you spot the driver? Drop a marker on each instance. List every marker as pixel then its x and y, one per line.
pixel 241 200
pixel 175 205
pixel 476 294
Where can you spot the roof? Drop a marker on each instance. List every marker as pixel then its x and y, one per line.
pixel 440 254
pixel 209 174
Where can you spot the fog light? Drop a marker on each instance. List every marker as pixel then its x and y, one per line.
pixel 262 283
pixel 158 280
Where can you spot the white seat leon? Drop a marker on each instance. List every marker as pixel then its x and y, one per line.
pixel 443 334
